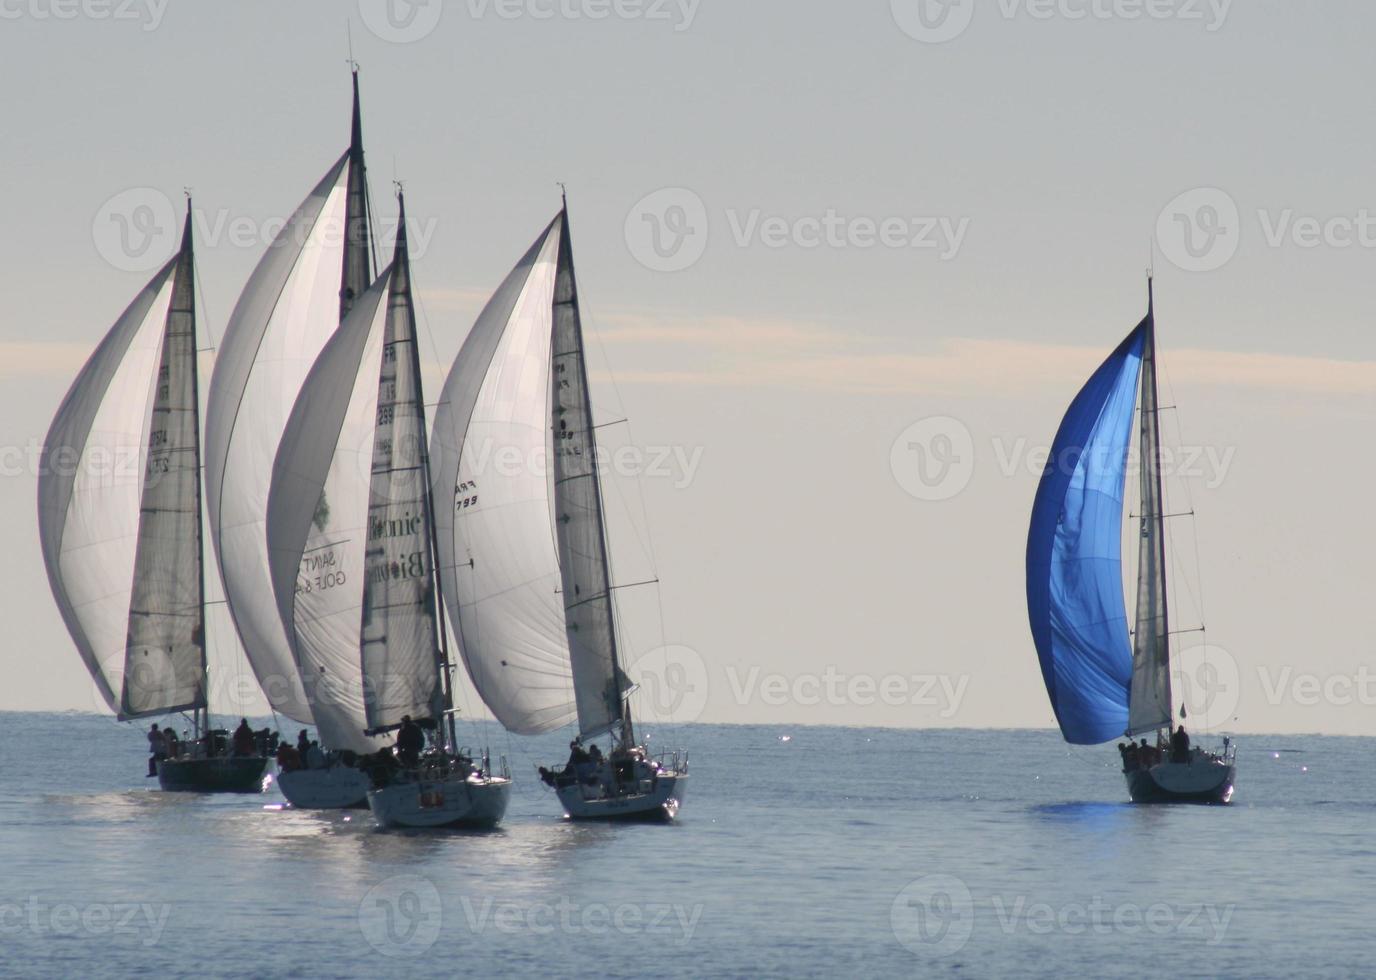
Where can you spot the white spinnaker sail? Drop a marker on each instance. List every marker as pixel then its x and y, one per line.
pixel 317 519
pixel 517 507
pixel 1149 699
pixel 119 505
pixel 498 562
pixel 286 313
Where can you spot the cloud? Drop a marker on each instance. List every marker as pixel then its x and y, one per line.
pixel 741 352
pixel 35 359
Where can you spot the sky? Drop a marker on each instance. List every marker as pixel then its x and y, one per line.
pixel 843 267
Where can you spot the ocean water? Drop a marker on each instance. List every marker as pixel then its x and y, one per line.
pixel 800 852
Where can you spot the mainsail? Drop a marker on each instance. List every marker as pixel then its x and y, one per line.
pixel 1074 554
pixel 349 528
pixel 119 503
pixel 311 275
pixel 1150 699
pixel 522 550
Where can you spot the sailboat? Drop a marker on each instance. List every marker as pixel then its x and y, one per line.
pixel 1104 680
pixel 123 545
pixel 351 537
pixel 303 287
pixel 523 553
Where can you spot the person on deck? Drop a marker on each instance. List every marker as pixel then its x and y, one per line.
pixel 288 759
pixel 303 744
pixel 410 741
pixel 1147 755
pixel 171 743
pixel 157 746
pixel 244 742
pixel 1180 746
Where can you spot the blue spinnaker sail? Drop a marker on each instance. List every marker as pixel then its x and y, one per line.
pixel 1074 554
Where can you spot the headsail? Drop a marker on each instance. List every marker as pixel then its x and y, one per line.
pixel 289 308
pixel 119 496
pixel 521 552
pixel 349 524
pixel 1150 701
pixel 1074 554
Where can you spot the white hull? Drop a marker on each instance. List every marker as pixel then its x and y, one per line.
pixel 657 800
pixel 336 788
pixel 444 802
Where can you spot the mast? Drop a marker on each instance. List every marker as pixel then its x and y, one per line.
pixel 402 263
pixel 360 264
pixel 622 713
pixel 189 270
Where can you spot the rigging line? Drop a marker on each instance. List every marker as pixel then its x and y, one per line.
pixel 646 543
pixel 418 303
pixel 203 320
pixel 1198 596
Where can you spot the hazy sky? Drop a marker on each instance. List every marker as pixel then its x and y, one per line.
pixel 847 264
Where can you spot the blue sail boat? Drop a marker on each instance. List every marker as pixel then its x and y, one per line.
pixel 1105 679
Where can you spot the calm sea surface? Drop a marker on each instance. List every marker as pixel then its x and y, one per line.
pixel 801 852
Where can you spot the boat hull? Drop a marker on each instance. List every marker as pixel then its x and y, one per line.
pixel 444 802
pixel 336 788
pixel 659 803
pixel 220 774
pixel 1200 781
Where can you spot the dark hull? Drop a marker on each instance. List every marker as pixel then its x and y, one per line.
pixel 225 774
pixel 1143 787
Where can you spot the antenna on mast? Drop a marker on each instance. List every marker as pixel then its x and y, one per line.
pixel 349 32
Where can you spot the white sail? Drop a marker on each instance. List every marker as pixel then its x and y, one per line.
pixel 119 504
pixel 401 635
pixel 497 557
pixel 520 538
pixel 317 519
pixel 287 311
pixel 1149 698
pixel 578 522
